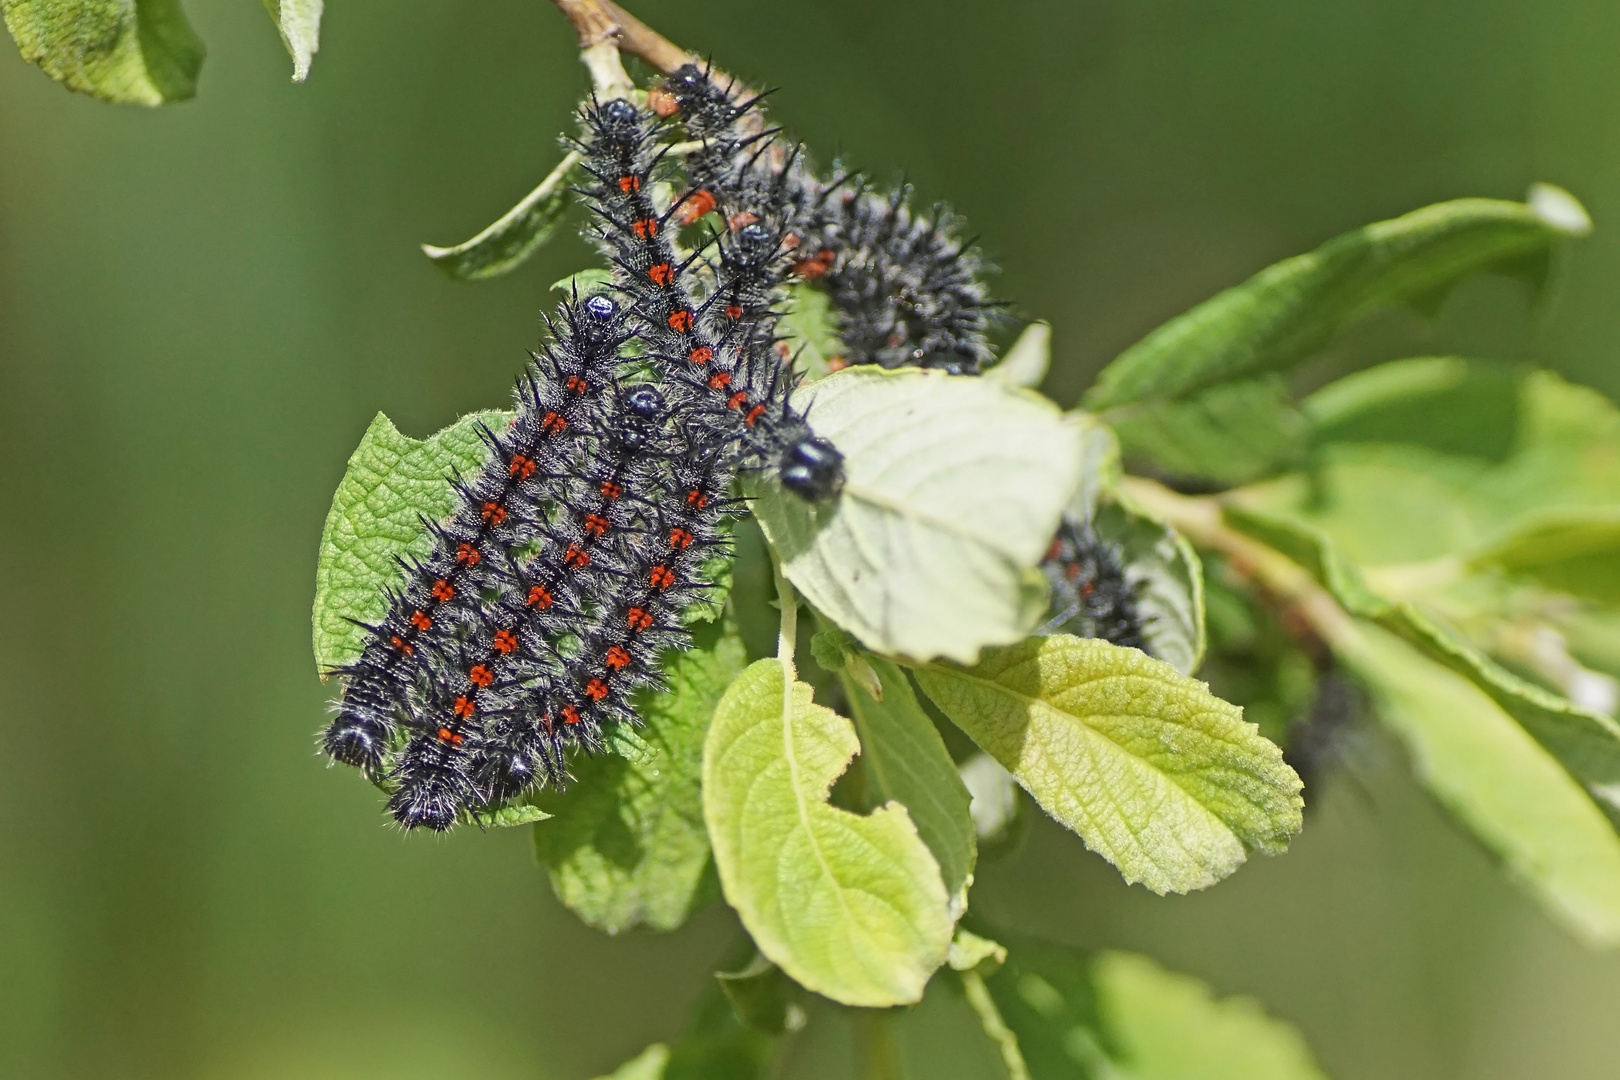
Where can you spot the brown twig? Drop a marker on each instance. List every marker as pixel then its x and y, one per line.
pixel 601 21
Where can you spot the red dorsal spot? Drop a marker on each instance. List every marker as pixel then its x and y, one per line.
pixel 570 714
pixel 448 736
pixel 734 311
pixel 539 597
pixel 421 620
pixel 627 184
pixel 443 591
pixel 737 400
pixel 696 498
pixel 791 240
pixel 661 577
pixel 753 415
pixel 617 657
pixel 596 524
pixel 661 273
pixel 638 619
pixel 505 641
pixel 646 228
pixel 493 512
pixel 401 644
pixel 695 206
pixel 480 675
pixel 467 554
pixel 576 557
pixel 837 363
pixel 610 490
pixel 520 467
pixel 1055 550
pixel 720 380
pixel 741 220
pixel 553 423
pixel 464 706
pixel 701 355
pixel 577 384
pixel 679 538
pixel 596 689
pixel 680 321
pixel 662 102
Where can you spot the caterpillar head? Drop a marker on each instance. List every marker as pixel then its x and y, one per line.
pixel 812 468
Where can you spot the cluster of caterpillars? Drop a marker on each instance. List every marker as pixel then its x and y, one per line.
pixel 575 555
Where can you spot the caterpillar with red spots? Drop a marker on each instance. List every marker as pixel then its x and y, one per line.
pixel 905 289
pixel 1092 595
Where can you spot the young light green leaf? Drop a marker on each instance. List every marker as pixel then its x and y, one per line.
pixel 1165 1026
pixel 1170 581
pixel 518 234
pixel 626 846
pixel 1575 552
pixel 587 282
pixel 1506 788
pixel 955 487
pixel 1156 774
pixel 810 333
pixel 851 907
pixel 391 484
pixel 1100 468
pixel 503 816
pixel 1232 433
pixel 905 761
pixel 647 1065
pixel 970 952
pixel 300 24
pixel 1118 1016
pixel 764 997
pixel 1288 311
pixel 1026 363
pixel 134 53
pixel 993 793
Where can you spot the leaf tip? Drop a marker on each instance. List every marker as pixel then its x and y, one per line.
pixel 1559 209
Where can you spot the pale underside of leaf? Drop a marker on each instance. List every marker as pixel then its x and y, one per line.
pixel 300 24
pixel 1156 774
pixel 851 907
pixel 516 235
pixel 955 487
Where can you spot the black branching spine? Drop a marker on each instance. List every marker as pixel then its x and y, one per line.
pixel 906 290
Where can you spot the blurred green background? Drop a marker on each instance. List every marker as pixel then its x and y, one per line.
pixel 202 307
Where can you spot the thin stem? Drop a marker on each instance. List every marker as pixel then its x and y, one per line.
pixel 787 637
pixel 877 1047
pixel 601 22
pixel 978 996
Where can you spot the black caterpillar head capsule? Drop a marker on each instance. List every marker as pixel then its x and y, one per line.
pixel 644 401
pixel 813 469
pixel 600 308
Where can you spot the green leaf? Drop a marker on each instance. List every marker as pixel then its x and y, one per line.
pixel 718 1045
pixel 764 997
pixel 392 483
pixel 1157 775
pixel 1029 359
pixel 1170 580
pixel 587 282
pixel 300 24
pixel 627 846
pixel 905 761
pixel 1505 787
pixel 851 907
pixel 647 1065
pixel 1100 468
pixel 970 952
pixel 518 234
pixel 1118 1016
pixel 1574 552
pixel 810 332
pixel 1290 310
pixel 1465 408
pixel 1232 433
pixel 955 488
pixel 503 816
pixel 1166 1026
pixel 138 52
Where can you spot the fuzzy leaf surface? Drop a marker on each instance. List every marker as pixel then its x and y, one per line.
pixel 1231 433
pixel 1156 774
pixel 1170 582
pixel 391 484
pixel 1506 788
pixel 141 53
pixel 851 907
pixel 626 845
pixel 955 487
pixel 300 24
pixel 905 761
pixel 1291 309
pixel 516 235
